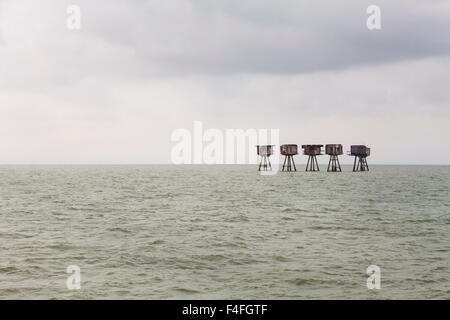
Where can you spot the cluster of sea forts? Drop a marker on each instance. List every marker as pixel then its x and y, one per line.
pixel 360 152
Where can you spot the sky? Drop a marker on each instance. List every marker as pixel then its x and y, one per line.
pixel 114 90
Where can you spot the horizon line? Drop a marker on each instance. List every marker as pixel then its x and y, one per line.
pixel 197 164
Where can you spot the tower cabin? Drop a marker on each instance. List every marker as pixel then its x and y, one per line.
pixel 360 152
pixel 265 152
pixel 289 151
pixel 312 151
pixel 334 151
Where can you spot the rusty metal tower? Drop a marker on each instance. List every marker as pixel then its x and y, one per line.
pixel 312 150
pixel 334 150
pixel 360 152
pixel 265 152
pixel 289 151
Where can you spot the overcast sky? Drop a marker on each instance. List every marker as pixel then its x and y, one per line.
pixel 115 90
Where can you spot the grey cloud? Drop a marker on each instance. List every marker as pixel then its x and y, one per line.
pixel 142 39
pixel 215 37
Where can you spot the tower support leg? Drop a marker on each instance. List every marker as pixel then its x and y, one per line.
pixel 264 164
pixel 312 164
pixel 288 164
pixel 334 164
pixel 364 163
pixel 361 165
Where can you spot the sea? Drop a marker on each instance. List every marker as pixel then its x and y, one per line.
pixel 223 232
